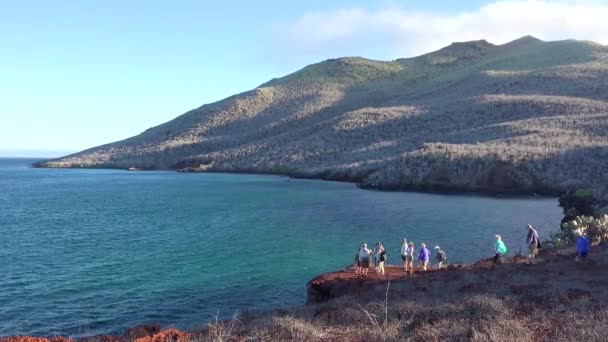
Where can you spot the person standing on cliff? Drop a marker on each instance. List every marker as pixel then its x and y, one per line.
pixel 441 257
pixel 404 254
pixel 424 257
pixel 533 243
pixel 364 258
pixel 409 258
pixel 381 262
pixel 358 265
pixel 499 249
pixel 377 251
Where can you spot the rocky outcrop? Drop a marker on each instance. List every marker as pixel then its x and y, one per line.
pixel 169 335
pixel 141 333
pixel 515 276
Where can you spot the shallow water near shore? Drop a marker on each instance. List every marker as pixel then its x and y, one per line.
pixel 97 251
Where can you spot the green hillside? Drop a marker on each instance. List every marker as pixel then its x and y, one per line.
pixel 525 116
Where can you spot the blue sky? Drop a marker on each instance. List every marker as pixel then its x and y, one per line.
pixel 75 74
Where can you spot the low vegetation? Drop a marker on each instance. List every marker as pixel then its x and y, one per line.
pixel 475 318
pixel 582 212
pixel 596 229
pixel 527 116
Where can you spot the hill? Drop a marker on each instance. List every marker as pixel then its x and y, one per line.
pixel 526 116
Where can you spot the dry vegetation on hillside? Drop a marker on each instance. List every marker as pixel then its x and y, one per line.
pixel 524 116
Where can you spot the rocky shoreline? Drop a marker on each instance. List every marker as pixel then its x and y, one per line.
pixel 358 180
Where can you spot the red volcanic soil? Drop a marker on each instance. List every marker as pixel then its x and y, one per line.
pixel 142 333
pixel 394 272
pixel 552 272
pixel 391 272
pixel 35 339
pixel 169 335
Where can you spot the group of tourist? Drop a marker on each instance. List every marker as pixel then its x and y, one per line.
pixel 363 259
pixel 365 256
pixel 424 256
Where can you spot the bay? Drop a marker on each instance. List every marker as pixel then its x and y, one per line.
pixel 86 252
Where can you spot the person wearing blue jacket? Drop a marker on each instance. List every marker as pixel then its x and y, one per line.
pixel 424 257
pixel 582 245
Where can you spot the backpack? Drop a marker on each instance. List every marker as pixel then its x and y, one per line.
pixel 442 256
pixel 383 256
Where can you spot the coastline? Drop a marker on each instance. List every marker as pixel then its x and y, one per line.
pixel 428 188
pixel 554 283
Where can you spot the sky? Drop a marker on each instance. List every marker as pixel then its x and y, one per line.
pixel 77 74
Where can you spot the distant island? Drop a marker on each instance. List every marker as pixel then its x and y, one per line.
pixel 528 116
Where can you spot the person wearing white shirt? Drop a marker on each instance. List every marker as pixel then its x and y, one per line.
pixel 364 258
pixel 404 253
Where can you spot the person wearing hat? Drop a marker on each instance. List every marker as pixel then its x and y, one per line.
pixel 533 243
pixel 440 256
pixel 582 245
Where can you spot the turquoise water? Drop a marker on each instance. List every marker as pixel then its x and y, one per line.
pixel 97 251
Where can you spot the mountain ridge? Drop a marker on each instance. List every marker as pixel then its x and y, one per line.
pixel 525 116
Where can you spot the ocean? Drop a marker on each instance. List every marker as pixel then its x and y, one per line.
pixel 86 252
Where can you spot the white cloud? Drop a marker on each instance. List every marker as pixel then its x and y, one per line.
pixel 398 32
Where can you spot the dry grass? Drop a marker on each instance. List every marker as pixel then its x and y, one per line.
pixel 475 318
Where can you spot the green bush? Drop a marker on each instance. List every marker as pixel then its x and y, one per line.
pixel 577 203
pixel 596 229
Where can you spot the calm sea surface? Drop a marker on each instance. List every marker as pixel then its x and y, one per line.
pixel 97 251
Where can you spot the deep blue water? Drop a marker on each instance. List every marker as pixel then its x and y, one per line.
pixel 97 251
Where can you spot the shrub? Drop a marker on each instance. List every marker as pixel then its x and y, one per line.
pixel 577 203
pixel 596 230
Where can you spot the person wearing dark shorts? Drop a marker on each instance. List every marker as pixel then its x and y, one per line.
pixel 365 258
